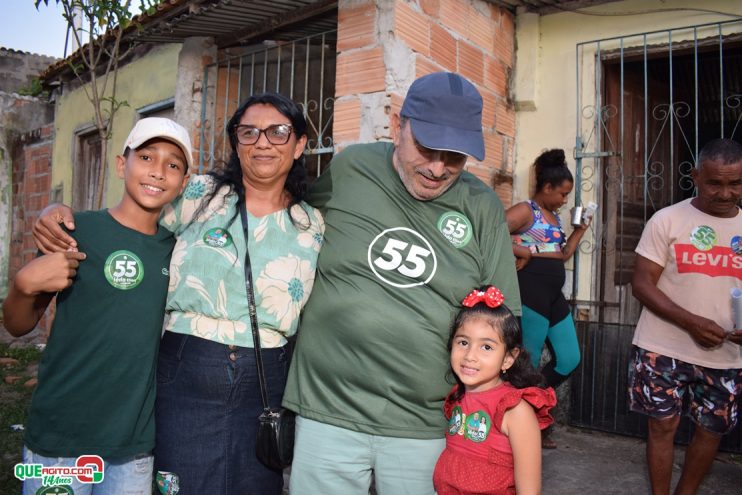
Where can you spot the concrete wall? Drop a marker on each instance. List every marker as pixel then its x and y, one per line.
pixel 545 85
pixel 18 69
pixel 384 45
pixel 143 82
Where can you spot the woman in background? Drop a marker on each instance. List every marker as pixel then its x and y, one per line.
pixel 541 249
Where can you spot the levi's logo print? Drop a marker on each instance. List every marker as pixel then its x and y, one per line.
pixel 402 257
pixel 703 255
pixel 456 228
pixel 124 270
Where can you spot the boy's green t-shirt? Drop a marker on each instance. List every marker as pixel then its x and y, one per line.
pixel 96 390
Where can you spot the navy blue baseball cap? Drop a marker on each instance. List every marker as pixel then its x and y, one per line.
pixel 445 112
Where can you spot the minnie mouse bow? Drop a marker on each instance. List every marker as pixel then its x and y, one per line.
pixel 492 297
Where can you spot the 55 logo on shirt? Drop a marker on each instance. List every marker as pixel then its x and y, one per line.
pixel 402 257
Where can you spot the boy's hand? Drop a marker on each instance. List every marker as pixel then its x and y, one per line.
pixel 48 235
pixel 48 273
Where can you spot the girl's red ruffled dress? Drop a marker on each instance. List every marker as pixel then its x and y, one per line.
pixel 478 458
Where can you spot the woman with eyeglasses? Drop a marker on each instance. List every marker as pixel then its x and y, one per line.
pixel 208 395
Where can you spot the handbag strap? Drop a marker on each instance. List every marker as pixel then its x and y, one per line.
pixel 253 312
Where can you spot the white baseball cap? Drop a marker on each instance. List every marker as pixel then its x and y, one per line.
pixel 159 127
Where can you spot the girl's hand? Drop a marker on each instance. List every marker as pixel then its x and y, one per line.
pixel 585 224
pixel 522 261
pixel 522 256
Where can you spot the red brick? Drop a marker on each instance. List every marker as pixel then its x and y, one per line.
pixel 424 65
pixel 346 120
pixel 443 48
pixel 431 7
pixel 496 76
pixel 395 102
pixel 507 22
pixel 360 71
pixel 505 119
pixel 481 29
pixel 47 131
pixel 412 27
pixel 482 172
pixel 505 193
pixel 492 149
pixel 489 107
pixel 471 62
pixel 356 26
pixel 454 14
pixel 505 40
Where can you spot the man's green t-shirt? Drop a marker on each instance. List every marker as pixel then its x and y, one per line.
pixel 96 390
pixel 371 355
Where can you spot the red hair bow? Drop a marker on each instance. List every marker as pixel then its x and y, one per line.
pixel 492 297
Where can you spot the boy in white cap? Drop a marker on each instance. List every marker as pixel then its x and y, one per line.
pixel 94 404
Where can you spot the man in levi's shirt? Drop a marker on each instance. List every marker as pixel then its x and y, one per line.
pixel 688 260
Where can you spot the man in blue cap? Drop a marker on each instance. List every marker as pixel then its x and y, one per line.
pixel 409 234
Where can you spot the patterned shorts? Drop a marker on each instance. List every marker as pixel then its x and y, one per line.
pixel 657 385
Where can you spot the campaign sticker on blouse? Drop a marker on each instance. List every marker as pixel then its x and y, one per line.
pixel 456 228
pixel 456 421
pixel 477 427
pixel 737 244
pixel 703 237
pixel 217 237
pixel 124 270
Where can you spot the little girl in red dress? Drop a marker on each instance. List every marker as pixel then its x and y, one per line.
pixel 496 410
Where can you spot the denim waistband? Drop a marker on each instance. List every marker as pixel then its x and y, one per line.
pixel 185 345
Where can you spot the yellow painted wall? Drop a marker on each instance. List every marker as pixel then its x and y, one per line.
pixel 142 82
pixel 544 83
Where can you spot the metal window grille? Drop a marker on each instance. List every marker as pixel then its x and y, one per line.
pixel 303 70
pixel 646 105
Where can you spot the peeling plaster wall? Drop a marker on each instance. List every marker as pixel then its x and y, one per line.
pixel 18 115
pixel 196 53
pixel 18 69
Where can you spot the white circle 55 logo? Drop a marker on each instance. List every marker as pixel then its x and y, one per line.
pixel 402 257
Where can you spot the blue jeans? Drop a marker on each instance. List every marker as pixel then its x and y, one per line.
pixel 208 403
pixel 126 475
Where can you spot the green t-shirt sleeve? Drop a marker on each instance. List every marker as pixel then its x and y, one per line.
pixel 321 191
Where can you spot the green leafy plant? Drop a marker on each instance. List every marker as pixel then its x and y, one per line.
pixel 33 89
pixel 98 28
pixel 14 401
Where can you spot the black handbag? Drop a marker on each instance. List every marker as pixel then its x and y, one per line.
pixel 274 444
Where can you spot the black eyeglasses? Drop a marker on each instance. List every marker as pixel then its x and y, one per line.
pixel 275 134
